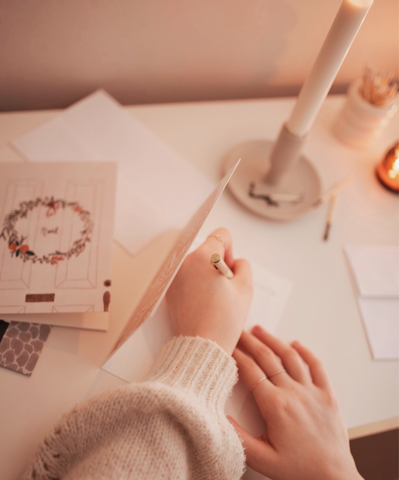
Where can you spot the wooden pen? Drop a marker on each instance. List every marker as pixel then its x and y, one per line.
pixel 218 262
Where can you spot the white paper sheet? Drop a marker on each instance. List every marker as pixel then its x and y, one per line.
pixel 381 321
pixel 156 189
pixel 376 274
pixel 376 270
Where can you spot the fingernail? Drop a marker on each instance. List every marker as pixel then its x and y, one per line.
pixel 257 329
pixel 295 342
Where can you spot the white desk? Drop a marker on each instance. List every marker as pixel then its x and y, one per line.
pixel 322 311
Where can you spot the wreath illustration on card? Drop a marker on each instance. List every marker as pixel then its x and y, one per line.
pixel 18 245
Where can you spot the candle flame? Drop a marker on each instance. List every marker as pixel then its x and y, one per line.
pixel 394 170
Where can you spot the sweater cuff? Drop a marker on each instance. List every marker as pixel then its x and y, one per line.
pixel 199 367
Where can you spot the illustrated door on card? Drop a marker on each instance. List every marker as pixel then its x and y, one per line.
pixel 55 248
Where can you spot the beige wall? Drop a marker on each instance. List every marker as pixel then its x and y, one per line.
pixel 53 52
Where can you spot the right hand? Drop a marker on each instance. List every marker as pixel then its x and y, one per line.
pixel 203 302
pixel 306 438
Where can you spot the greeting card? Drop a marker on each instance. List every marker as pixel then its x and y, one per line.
pixel 153 296
pixel 56 230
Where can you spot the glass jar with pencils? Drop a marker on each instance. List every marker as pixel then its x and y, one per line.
pixel 370 104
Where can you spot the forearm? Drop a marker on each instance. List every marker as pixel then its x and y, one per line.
pixel 170 426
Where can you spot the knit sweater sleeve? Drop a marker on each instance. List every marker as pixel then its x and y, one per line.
pixel 171 426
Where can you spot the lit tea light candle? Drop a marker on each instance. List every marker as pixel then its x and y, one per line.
pixel 349 19
pixel 388 169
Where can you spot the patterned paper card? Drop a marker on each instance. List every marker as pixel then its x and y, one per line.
pixel 21 344
pixel 56 230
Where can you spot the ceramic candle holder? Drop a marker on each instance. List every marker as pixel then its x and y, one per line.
pixel 273 179
pixel 360 123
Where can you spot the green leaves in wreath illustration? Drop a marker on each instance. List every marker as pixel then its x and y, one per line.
pixel 18 244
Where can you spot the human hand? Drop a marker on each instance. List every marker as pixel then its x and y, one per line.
pixel 306 437
pixel 203 302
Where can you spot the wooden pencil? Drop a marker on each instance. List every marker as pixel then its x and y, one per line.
pixel 330 215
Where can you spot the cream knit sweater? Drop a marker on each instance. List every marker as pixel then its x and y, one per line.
pixel 171 426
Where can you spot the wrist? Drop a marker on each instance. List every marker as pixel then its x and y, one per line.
pixel 223 337
pixel 348 474
pixel 226 345
pixel 199 367
pixel 355 476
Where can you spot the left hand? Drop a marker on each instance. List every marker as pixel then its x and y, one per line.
pixel 306 438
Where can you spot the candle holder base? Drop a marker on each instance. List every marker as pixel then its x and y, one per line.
pixel 293 197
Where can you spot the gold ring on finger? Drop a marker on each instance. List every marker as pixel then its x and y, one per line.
pixel 257 383
pixel 276 373
pixel 217 236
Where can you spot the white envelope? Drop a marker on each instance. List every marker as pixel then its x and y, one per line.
pixel 376 274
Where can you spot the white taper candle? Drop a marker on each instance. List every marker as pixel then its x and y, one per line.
pixel 349 18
